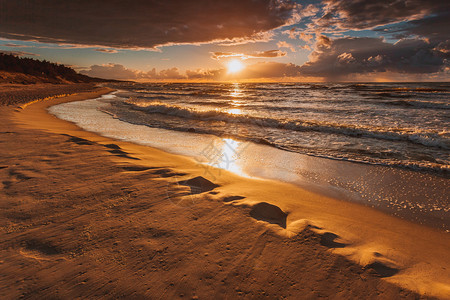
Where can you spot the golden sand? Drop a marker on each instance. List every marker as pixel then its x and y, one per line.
pixel 84 215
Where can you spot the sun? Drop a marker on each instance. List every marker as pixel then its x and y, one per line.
pixel 234 66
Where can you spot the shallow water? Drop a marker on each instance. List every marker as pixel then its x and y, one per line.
pixel 404 125
pixel 421 197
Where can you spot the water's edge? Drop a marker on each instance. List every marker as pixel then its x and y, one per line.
pixel 415 196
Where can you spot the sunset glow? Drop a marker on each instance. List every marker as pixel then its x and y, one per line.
pixel 210 149
pixel 283 41
pixel 235 66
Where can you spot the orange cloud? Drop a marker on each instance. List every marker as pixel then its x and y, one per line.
pixel 261 54
pixel 283 44
pixel 271 70
pixel 293 34
pixel 106 50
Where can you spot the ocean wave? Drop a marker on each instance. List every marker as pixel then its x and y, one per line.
pixel 383 158
pixel 295 87
pixel 422 137
pixel 418 104
pixel 420 90
pixel 392 95
pixel 371 159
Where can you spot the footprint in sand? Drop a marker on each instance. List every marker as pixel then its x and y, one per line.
pixel 269 213
pixel 381 269
pixel 40 250
pixel 79 141
pixel 328 239
pixel 199 185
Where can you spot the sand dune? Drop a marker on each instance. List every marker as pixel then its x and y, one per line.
pixel 86 216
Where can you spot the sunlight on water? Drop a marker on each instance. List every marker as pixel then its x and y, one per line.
pixel 225 154
pixel 427 201
pixel 235 111
pixel 236 92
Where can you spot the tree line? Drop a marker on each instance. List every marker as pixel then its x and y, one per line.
pixel 43 69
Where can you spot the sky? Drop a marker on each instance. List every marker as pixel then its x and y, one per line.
pixel 265 40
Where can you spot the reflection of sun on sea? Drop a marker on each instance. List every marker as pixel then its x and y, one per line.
pixel 236 93
pixel 235 111
pixel 228 156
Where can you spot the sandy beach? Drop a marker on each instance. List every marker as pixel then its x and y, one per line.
pixel 87 216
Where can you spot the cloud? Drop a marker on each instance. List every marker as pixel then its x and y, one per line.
pixel 205 74
pixel 255 38
pixel 14 45
pixel 172 73
pixel 111 71
pixel 105 50
pixel 260 54
pixel 260 70
pixel 270 53
pixel 271 70
pixel 306 37
pixel 344 56
pixel 120 72
pixel 293 34
pixel 443 49
pixel 367 14
pixel 255 71
pixel 306 47
pixel 220 55
pixel 434 28
pixel 283 44
pixel 18 53
pixel 142 23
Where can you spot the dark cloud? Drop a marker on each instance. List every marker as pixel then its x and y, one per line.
pixel 259 54
pixel 443 49
pixel 340 57
pixel 142 23
pixel 366 14
pixel 434 28
pixel 421 28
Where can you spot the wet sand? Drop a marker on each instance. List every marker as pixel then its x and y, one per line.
pixel 388 189
pixel 87 216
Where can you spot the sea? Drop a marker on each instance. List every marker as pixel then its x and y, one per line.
pixel 397 124
pixel 402 126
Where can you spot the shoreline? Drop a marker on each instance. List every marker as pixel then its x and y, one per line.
pixel 384 188
pixel 404 253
